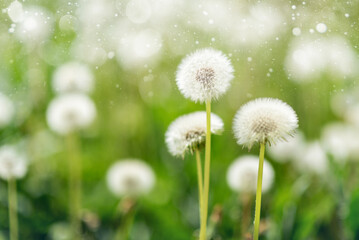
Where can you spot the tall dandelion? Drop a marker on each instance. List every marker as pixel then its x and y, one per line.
pixel 263 120
pixel 13 166
pixel 188 134
pixel 66 115
pixel 203 76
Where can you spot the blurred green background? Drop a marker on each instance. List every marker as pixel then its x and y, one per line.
pixel 134 55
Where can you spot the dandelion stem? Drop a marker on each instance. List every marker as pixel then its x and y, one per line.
pixel 200 182
pixel 207 165
pixel 74 185
pixel 13 209
pixel 259 192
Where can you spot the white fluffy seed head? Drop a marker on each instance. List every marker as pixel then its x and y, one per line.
pixel 242 174
pixel 130 177
pixel 188 132
pixel 264 120
pixel 70 112
pixel 73 77
pixel 205 74
pixel 7 110
pixel 12 163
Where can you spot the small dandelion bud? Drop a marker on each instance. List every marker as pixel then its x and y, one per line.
pixel 12 163
pixel 204 75
pixel 188 132
pixel 130 177
pixel 70 112
pixel 242 175
pixel 7 110
pixel 264 120
pixel 73 77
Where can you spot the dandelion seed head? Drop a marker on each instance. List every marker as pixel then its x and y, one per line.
pixel 188 132
pixel 7 110
pixel 70 112
pixel 242 174
pixel 264 120
pixel 12 163
pixel 73 77
pixel 130 177
pixel 205 74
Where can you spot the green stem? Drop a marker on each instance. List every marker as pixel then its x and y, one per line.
pixel 259 192
pixel 13 209
pixel 127 218
pixel 74 185
pixel 207 165
pixel 200 183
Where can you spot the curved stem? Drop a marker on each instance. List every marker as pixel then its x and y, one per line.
pixel 207 165
pixel 259 193
pixel 200 183
pixel 13 209
pixel 74 185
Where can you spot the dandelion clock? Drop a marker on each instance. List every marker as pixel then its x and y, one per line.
pixel 13 165
pixel 203 76
pixel 263 120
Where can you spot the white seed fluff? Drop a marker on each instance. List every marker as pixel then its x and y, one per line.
pixel 242 174
pixel 264 120
pixel 130 177
pixel 12 163
pixel 15 11
pixel 204 75
pixel 7 110
pixel 70 112
pixel 189 131
pixel 73 77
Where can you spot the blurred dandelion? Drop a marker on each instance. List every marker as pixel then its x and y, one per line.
pixel 73 77
pixel 67 115
pixel 13 165
pixel 242 175
pixel 129 179
pixel 70 112
pixel 15 11
pixel 263 120
pixel 203 76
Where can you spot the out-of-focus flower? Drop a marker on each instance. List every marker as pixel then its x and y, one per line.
pixel 130 177
pixel 15 11
pixel 12 163
pixel 7 110
pixel 341 140
pixel 137 48
pixel 242 174
pixel 36 25
pixel 289 149
pixel 312 159
pixel 138 11
pixel 189 132
pixel 309 58
pixel 204 75
pixel 264 120
pixel 70 112
pixel 73 77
